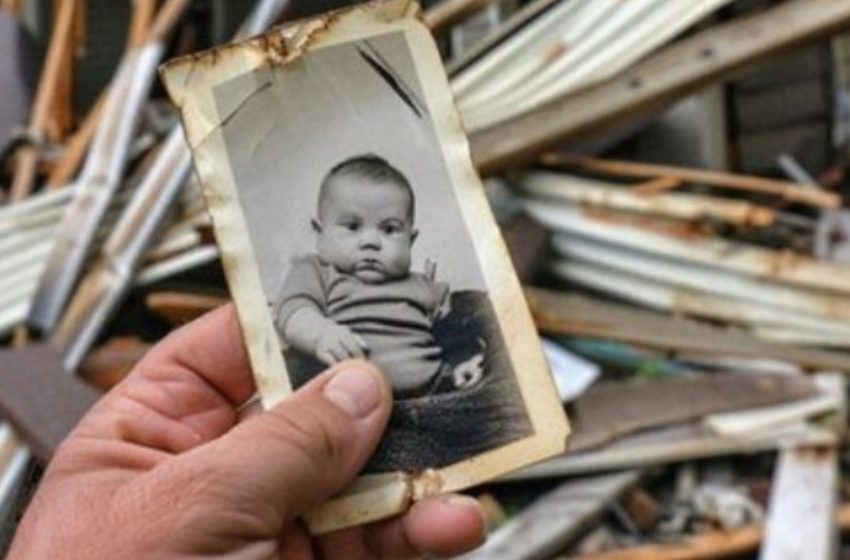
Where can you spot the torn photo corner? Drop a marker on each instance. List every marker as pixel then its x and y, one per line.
pixel 352 223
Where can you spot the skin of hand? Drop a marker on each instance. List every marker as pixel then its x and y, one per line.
pixel 163 467
pixel 314 334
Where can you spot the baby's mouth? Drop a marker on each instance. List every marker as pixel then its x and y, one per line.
pixel 369 264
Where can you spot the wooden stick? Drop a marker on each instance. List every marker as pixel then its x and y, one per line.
pixel 77 147
pixel 179 308
pixel 140 25
pixel 62 113
pixel 450 12
pixel 668 75
pixel 12 6
pixel 811 195
pixel 681 206
pixel 103 171
pixel 144 12
pixel 27 156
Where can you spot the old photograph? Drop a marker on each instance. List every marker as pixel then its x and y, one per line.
pixel 352 225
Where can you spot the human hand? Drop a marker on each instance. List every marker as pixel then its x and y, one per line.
pixel 336 343
pixel 162 467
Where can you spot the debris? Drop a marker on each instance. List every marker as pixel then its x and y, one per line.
pixel 555 520
pixel 573 374
pixel 725 507
pixel 608 412
pixel 561 314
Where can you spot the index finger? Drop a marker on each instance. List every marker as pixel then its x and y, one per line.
pixel 212 348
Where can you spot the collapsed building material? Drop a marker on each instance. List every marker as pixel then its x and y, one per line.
pixel 675 445
pixel 678 69
pixel 93 304
pixel 561 314
pixel 782 267
pixel 809 194
pixel 806 480
pixel 26 156
pixel 765 321
pixel 609 411
pixel 555 520
pixel 103 172
pixel 591 194
pixel 569 48
pixel 41 405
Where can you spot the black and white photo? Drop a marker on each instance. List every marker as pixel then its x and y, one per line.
pixel 352 225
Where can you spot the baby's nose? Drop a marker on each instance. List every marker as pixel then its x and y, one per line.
pixel 370 239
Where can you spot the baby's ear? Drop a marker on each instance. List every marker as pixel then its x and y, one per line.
pixel 413 235
pixel 317 227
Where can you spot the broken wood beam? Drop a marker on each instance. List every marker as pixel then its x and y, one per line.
pixel 676 444
pixel 556 520
pixel 812 195
pixel 806 480
pixel 707 546
pixel 609 411
pixel 180 308
pixel 26 164
pixel 589 193
pixel 679 69
pixel 571 315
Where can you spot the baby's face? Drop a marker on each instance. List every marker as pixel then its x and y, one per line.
pixel 366 229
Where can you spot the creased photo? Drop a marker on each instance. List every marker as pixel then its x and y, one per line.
pixel 352 225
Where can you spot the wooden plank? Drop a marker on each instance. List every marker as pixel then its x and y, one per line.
pixel 27 157
pixel 447 13
pixel 589 193
pixel 178 308
pixel 812 195
pixel 800 521
pixel 610 411
pixel 77 147
pixel 675 71
pixel 801 515
pixel 555 520
pixel 560 314
pixel 676 444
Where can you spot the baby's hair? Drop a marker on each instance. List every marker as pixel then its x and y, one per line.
pixel 370 167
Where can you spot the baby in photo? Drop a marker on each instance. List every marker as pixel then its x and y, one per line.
pixel 357 296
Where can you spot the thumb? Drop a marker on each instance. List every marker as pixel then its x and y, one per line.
pixel 285 461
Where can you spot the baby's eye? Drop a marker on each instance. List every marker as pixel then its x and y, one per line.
pixel 353 226
pixel 390 229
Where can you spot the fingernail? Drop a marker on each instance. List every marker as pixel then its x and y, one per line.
pixel 356 391
pixel 459 500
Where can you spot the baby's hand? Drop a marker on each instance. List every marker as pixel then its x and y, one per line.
pixel 337 343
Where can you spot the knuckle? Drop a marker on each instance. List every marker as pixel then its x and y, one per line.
pixel 310 435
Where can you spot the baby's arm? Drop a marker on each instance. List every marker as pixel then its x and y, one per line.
pixel 301 322
pixel 312 333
